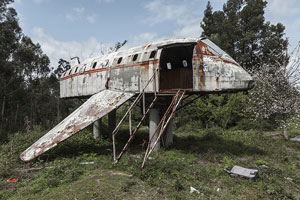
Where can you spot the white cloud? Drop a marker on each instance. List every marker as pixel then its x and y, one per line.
pixel 184 14
pixel 284 8
pixel 91 19
pixel 189 30
pixel 39 1
pixel 286 12
pixel 79 10
pixel 162 10
pixel 70 17
pixel 56 49
pixel 294 25
pixel 18 1
pixel 78 13
pixel 143 38
pixel 75 14
pixel 104 1
pixel 34 1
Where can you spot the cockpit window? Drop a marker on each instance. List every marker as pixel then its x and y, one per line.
pixel 217 50
pixel 213 47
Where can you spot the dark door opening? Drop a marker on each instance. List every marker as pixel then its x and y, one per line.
pixel 176 71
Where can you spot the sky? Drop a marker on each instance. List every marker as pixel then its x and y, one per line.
pixel 87 28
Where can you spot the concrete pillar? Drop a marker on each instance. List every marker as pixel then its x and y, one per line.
pixel 153 122
pixel 111 122
pixel 168 135
pixel 97 129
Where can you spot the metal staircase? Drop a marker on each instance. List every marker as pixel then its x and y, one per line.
pixel 163 124
pixel 128 114
pixel 169 113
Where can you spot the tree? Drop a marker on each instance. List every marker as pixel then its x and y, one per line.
pixel 277 90
pixel 10 34
pixel 28 86
pixel 240 29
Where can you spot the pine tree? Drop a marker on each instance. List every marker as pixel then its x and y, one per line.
pixel 240 29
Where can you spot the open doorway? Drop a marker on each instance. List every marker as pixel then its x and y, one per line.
pixel 176 71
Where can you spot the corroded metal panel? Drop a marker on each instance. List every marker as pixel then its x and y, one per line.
pixel 213 70
pixel 93 109
pixel 125 79
pixel 217 73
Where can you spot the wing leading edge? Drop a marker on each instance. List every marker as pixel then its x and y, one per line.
pixel 93 109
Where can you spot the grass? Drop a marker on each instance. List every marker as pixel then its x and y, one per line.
pixel 196 159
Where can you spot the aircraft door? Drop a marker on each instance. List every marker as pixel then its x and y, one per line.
pixel 176 67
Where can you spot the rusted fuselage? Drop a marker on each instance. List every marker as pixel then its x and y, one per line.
pixel 194 64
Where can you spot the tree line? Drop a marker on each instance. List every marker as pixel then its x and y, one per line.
pixel 29 87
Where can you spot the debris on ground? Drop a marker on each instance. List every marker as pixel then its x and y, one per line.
pixel 264 166
pixel 12 180
pixel 192 190
pixel 295 139
pixel 250 174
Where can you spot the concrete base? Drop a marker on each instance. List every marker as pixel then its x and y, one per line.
pixel 153 122
pixel 168 134
pixel 97 129
pixel 111 122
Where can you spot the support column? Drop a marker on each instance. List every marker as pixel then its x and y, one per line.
pixel 111 122
pixel 97 128
pixel 153 122
pixel 168 135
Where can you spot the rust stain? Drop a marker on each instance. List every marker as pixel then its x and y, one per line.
pixel 142 64
pixel 96 107
pixel 204 49
pixel 223 60
pixel 198 50
pixel 117 99
pixel 202 77
pixel 107 83
pixel 217 81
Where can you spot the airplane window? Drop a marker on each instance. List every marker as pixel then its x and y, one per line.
pixel 119 60
pixel 217 51
pixel 94 65
pixel 169 66
pixel 135 57
pixel 106 63
pixel 76 69
pixel 152 55
pixel 64 74
pixel 70 71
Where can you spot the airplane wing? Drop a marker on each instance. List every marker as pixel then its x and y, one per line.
pixel 93 109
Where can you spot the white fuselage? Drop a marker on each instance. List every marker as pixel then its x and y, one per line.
pixel 193 64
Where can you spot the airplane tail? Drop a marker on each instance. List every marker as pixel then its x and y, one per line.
pixel 93 109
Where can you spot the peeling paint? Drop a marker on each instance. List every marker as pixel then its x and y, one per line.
pixel 94 108
pixel 210 70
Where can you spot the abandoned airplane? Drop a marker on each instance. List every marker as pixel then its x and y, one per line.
pixel 173 67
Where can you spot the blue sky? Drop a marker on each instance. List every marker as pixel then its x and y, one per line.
pixel 85 28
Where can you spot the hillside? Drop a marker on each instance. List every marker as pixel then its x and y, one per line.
pixel 81 167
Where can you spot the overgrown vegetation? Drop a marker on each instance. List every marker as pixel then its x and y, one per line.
pixel 213 134
pixel 197 159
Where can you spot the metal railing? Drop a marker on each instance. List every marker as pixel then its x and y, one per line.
pixel 128 114
pixel 163 124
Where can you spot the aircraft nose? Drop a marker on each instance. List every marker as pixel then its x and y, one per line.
pixel 251 84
